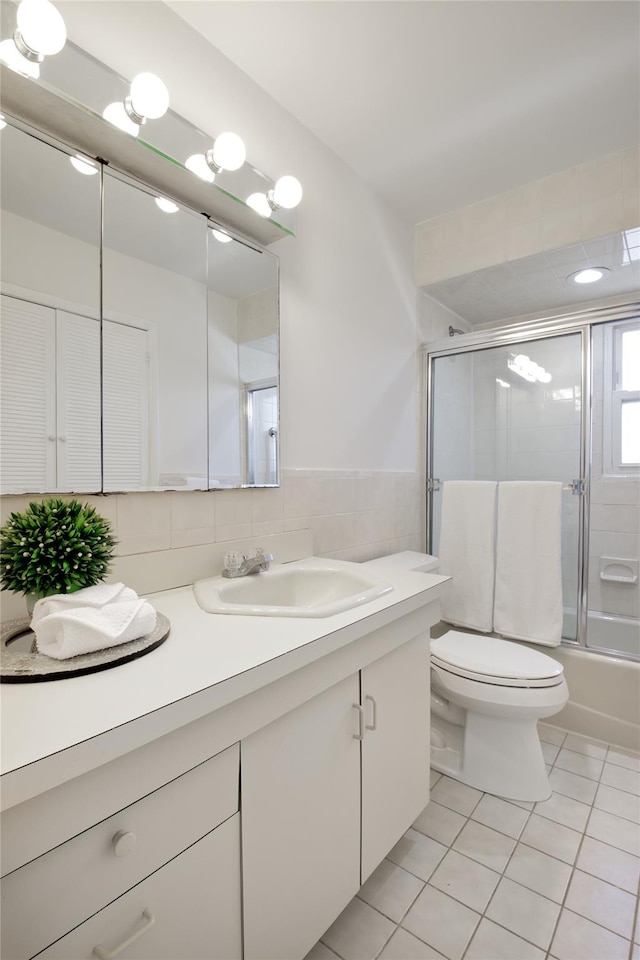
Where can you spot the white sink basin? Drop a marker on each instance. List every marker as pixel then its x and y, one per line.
pixel 304 588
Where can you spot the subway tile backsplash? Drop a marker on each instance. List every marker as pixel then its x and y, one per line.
pixel 354 515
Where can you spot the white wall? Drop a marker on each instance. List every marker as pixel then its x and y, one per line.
pixel 347 294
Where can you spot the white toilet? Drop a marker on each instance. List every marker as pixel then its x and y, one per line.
pixel 487 696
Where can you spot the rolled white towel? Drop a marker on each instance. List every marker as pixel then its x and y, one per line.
pixel 96 597
pixel 68 633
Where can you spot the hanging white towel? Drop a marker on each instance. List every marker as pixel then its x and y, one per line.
pixel 528 594
pixel 68 633
pixel 466 552
pixel 96 596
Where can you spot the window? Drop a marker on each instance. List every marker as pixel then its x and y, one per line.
pixel 622 398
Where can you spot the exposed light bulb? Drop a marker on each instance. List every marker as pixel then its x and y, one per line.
pixel 590 275
pixel 116 114
pixel 228 153
pixel 167 206
pixel 40 30
pixel 220 236
pixel 83 165
pixel 259 203
pixel 148 98
pixel 197 164
pixel 12 58
pixel 286 193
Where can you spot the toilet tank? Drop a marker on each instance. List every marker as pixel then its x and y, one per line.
pixel 407 560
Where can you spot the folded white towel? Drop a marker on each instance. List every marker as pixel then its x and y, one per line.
pixel 68 633
pixel 96 596
pixel 466 552
pixel 528 596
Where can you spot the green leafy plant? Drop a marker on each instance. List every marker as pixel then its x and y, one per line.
pixel 55 546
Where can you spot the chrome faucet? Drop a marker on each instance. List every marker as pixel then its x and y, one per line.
pixel 241 565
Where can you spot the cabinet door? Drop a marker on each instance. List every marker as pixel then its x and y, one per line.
pixel 300 805
pixel 192 909
pixel 395 748
pixel 27 397
pixel 128 438
pixel 78 403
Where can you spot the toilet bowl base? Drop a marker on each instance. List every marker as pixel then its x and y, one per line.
pixel 497 757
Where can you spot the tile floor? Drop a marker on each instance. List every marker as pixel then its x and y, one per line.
pixel 481 878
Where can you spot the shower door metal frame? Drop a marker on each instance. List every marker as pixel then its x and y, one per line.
pixel 543 328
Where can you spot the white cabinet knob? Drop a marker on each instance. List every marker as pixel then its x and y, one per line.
pixel 123 843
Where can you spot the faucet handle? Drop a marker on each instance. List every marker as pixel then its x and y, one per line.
pixel 233 561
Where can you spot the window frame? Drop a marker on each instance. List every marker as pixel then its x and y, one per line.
pixel 614 398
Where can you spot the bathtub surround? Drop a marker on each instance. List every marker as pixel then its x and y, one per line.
pixel 353 514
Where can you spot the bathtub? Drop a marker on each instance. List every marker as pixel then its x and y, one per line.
pixel 608 632
pixel 604 690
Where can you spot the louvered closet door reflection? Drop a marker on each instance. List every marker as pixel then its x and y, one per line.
pixel 126 413
pixel 27 397
pixel 78 395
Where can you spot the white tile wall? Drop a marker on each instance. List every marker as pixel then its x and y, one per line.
pixel 577 204
pixel 354 515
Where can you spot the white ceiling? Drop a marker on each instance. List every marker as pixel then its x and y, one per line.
pixel 541 283
pixel 442 103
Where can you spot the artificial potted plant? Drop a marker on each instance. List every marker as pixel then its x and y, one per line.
pixel 54 546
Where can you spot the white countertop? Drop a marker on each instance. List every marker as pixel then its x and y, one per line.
pixel 207 661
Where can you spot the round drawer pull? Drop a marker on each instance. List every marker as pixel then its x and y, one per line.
pixel 123 843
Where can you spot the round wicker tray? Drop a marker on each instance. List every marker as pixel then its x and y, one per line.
pixel 21 663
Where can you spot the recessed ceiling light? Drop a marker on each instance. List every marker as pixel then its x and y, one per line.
pixel 590 275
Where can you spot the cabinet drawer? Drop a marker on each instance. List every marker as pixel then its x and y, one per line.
pixel 46 898
pixel 194 901
pixel 45 821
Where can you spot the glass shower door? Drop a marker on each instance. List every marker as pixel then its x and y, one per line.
pixel 512 412
pixel 613 619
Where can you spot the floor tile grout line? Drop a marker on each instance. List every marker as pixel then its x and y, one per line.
pixel 502 874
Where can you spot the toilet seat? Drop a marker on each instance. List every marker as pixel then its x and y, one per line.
pixel 493 661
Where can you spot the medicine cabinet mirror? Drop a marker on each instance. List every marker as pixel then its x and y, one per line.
pixel 157 370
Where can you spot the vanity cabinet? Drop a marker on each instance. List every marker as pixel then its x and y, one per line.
pixel 327 790
pixel 164 870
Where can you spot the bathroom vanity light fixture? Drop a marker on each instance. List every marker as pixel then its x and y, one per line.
pixel 40 32
pixel 148 99
pixel 167 206
pixel 83 165
pixel 227 153
pixel 590 275
pixel 286 193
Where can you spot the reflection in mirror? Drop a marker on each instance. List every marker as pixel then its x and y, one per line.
pixel 243 364
pixel 154 342
pixel 50 319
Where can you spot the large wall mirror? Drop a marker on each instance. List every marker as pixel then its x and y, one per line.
pixel 50 320
pixel 139 347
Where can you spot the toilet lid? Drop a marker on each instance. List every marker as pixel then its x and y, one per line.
pixel 489 657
